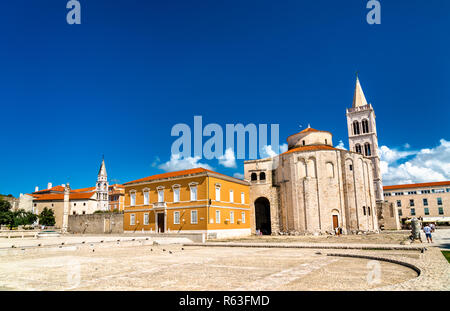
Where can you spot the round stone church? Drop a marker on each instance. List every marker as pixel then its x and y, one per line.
pixel 313 188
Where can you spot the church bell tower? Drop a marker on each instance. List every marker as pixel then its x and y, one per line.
pixel 102 188
pixel 362 135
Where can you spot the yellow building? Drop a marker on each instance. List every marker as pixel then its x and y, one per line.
pixel 194 200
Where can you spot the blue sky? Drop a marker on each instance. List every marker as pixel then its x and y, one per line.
pixel 117 83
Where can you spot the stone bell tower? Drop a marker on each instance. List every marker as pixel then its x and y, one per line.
pixel 102 188
pixel 362 135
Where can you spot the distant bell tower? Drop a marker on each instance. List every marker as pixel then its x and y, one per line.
pixel 102 188
pixel 362 135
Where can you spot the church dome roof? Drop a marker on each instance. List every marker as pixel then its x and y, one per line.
pixel 310 148
pixel 310 137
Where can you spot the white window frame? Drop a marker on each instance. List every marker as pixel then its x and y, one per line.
pixel 243 217
pixel 160 194
pixel 218 192
pixel 132 219
pixel 196 217
pixel 175 222
pixel 146 218
pixel 242 198
pixel 217 217
pixel 133 198
pixel 176 193
pixel 193 191
pixel 146 194
pixel 231 217
pixel 231 196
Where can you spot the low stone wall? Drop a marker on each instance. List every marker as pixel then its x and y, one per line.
pixel 96 223
pixel 195 237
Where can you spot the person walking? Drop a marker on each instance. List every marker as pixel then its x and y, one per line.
pixel 433 227
pixel 427 231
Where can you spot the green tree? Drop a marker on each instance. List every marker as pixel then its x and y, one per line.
pixel 5 206
pixel 23 218
pixel 6 216
pixel 47 217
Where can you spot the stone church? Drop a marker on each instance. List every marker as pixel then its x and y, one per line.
pixel 313 187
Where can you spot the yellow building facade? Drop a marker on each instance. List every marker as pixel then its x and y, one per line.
pixel 196 200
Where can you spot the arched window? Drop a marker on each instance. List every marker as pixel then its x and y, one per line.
pixel 364 210
pixel 367 150
pixel 356 128
pixel 368 210
pixel 358 148
pixel 330 169
pixel 365 126
pixel 262 176
pixel 254 177
pixel 311 168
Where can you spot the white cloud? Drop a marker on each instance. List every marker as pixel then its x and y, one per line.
pixel 238 175
pixel 392 155
pixel 425 165
pixel 268 152
pixel 341 145
pixel 228 159
pixel 157 160
pixel 178 163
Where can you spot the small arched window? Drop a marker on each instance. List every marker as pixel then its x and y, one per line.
pixel 254 177
pixel 364 210
pixel 356 128
pixel 367 150
pixel 303 142
pixel 365 126
pixel 262 176
pixel 368 210
pixel 358 148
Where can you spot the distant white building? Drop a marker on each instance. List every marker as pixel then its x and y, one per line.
pixel 75 202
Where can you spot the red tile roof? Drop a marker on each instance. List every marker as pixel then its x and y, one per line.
pixel 311 148
pixel 60 196
pixel 174 174
pixel 307 130
pixel 55 188
pixel 83 189
pixel 420 185
pixel 117 185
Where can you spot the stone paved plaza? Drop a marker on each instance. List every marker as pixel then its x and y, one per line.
pixel 136 263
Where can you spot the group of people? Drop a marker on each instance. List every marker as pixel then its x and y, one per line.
pixel 428 229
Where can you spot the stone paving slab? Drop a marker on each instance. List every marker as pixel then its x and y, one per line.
pixel 434 270
pixel 110 266
pixel 432 267
pixel 314 245
pixel 8 245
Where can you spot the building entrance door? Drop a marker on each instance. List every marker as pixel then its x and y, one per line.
pixel 335 221
pixel 160 222
pixel 262 216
